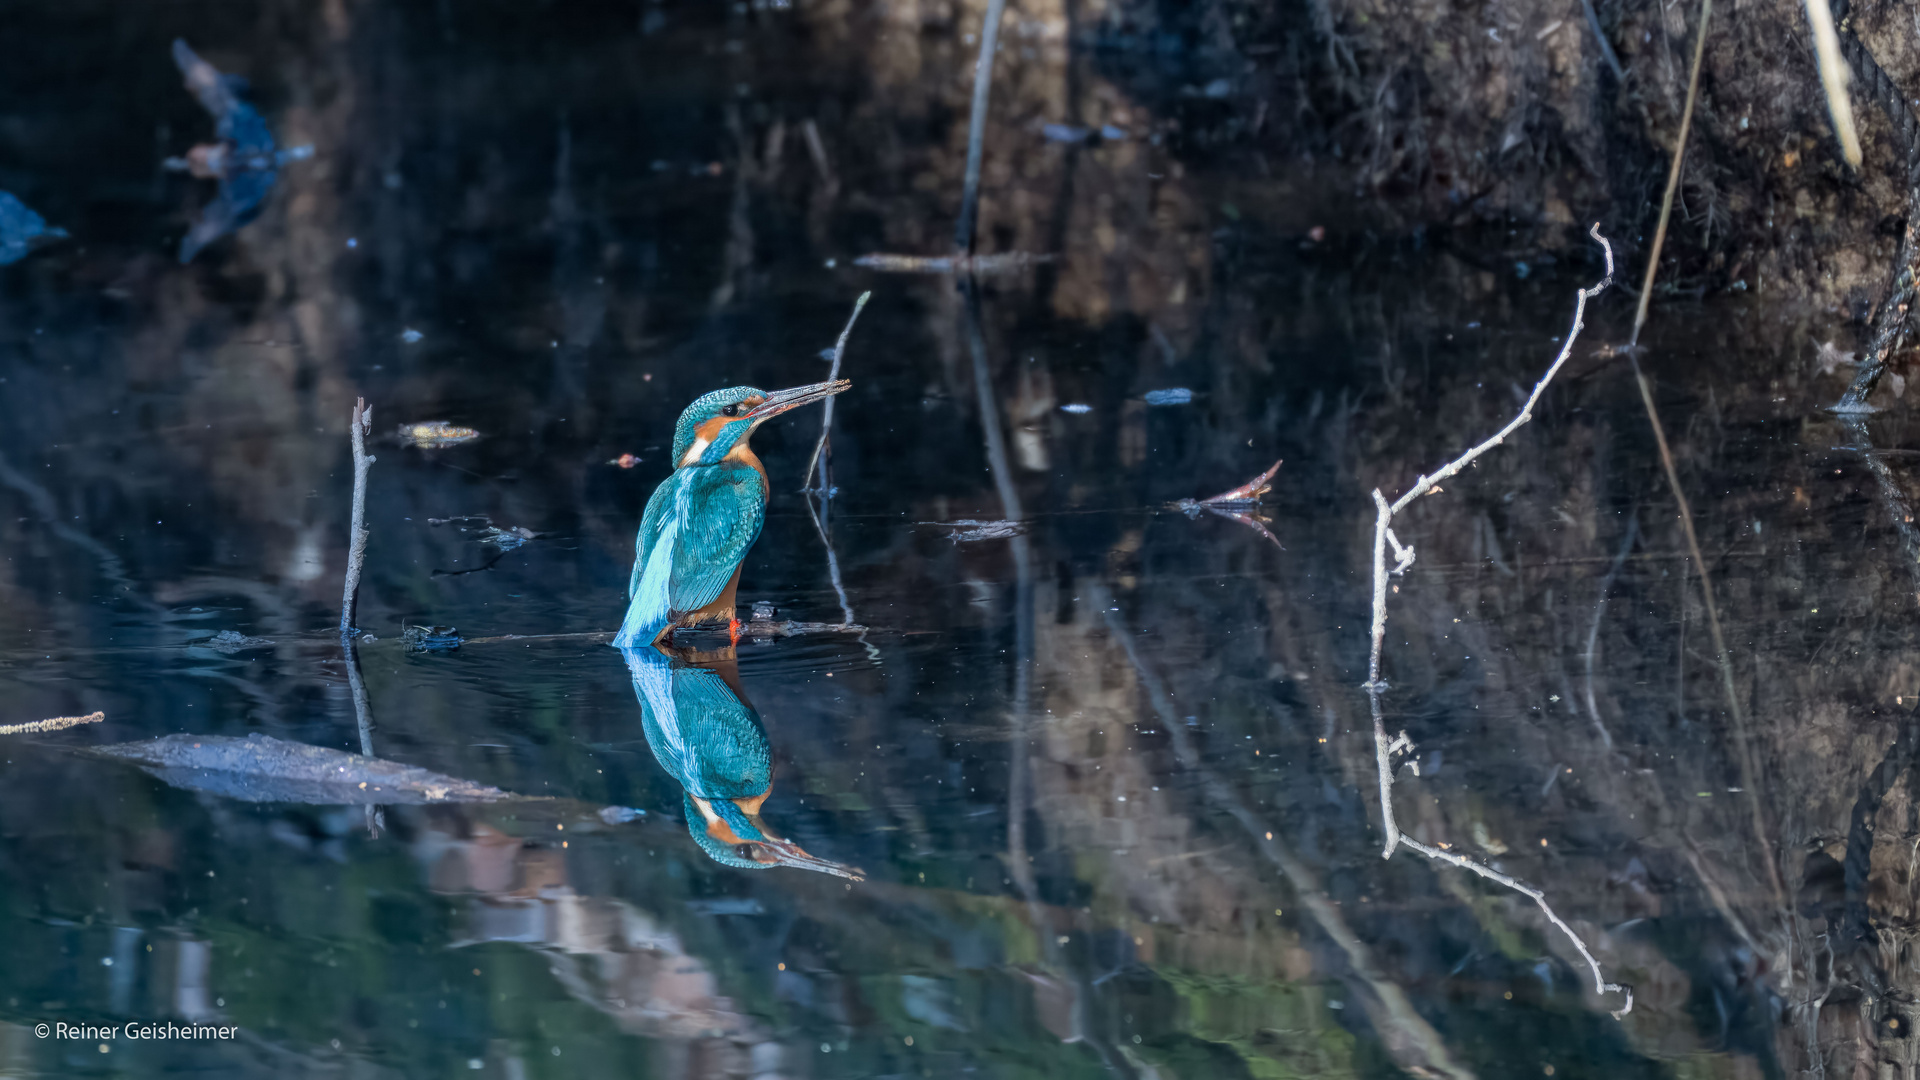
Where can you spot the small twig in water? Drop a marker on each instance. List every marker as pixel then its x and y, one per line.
pixel 1248 492
pixel 58 723
pixel 1385 747
pixel 359 427
pixel 826 417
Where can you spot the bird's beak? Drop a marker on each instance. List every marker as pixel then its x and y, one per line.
pixel 783 400
pixel 788 853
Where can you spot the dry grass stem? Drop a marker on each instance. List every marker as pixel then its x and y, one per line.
pixel 818 460
pixel 1834 77
pixel 1403 556
pixel 58 723
pixel 1673 170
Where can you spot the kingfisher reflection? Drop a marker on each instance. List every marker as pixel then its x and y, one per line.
pixel 706 735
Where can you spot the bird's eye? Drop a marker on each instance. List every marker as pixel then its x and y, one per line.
pixel 731 410
pixel 744 851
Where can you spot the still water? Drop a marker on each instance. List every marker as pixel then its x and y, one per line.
pixel 1088 788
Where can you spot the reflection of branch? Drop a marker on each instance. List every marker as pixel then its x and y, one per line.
pixel 1599 611
pixel 1385 748
pixel 58 723
pixel 1412 1042
pixel 1749 774
pixel 826 415
pixel 1891 497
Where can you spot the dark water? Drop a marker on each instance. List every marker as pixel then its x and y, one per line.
pixel 1110 780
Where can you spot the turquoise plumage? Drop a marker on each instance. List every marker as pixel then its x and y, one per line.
pixel 700 521
pixel 709 739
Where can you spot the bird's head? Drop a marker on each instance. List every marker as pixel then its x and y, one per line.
pixel 715 423
pixel 730 832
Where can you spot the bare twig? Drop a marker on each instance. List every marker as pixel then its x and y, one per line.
pixel 58 723
pixel 1834 77
pixel 1383 538
pixel 826 417
pixel 360 426
pixel 1673 171
pixel 977 128
pixel 1248 492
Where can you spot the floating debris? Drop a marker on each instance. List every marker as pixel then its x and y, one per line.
pixel 1830 357
pixel 58 723
pixel 434 434
pixel 625 461
pixel 763 611
pixel 1004 263
pixel 260 768
pixel 243 158
pixel 505 539
pixel 1178 395
pixel 1070 133
pixel 620 815
pixel 412 337
pixel 1246 494
pixel 967 530
pixel 509 538
pixel 1240 504
pixel 232 641
pixel 432 638
pixel 22 230
pixel 1076 408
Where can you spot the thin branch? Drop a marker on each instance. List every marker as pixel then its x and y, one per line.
pixel 977 128
pixel 1673 171
pixel 359 427
pixel 826 417
pixel 1384 747
pixel 1452 468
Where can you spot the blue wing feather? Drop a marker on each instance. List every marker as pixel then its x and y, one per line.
pixel 726 507
pixel 698 526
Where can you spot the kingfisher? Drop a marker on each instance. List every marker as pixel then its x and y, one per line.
pixel 702 519
pixel 708 738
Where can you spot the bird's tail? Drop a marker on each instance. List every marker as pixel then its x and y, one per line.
pixel 650 610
